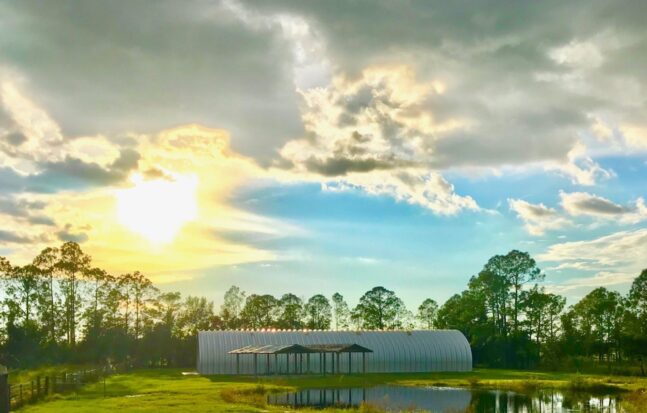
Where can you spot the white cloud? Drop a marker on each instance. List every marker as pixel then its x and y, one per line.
pixel 576 54
pixel 600 279
pixel 428 190
pixel 373 133
pixel 616 259
pixel 620 250
pixel 537 218
pixel 586 204
pixel 580 167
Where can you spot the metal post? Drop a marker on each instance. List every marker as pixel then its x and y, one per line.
pixel 237 363
pixel 338 365
pixel 255 364
pixel 332 363
pixel 267 366
pixel 350 371
pixel 324 363
pixel 276 364
pixel 308 364
pixel 363 362
pixel 5 390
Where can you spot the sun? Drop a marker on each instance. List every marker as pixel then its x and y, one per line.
pixel 158 209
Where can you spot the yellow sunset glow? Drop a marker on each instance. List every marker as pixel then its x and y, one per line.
pixel 158 209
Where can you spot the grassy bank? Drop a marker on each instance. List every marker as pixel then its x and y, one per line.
pixel 162 391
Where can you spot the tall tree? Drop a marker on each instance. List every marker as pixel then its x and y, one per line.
pixel 259 311
pixel 341 312
pixel 231 308
pixel 427 312
pixel 141 290
pixel 23 292
pixel 196 315
pixel 73 264
pixel 46 263
pixel 635 321
pixel 291 312
pixel 518 269
pixel 379 309
pixel 595 322
pixel 318 313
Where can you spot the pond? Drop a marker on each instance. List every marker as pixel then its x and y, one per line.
pixel 448 399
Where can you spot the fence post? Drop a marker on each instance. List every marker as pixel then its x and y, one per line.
pixel 5 390
pixel 46 386
pixel 54 384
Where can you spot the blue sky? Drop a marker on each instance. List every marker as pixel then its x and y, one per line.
pixel 307 146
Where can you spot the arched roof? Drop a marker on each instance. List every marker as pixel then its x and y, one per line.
pixel 393 351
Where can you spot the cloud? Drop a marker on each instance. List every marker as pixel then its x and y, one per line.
pixel 537 218
pixel 619 250
pixel 614 259
pixel 373 133
pixel 7 237
pixel 428 190
pixel 67 235
pixel 188 63
pixel 586 204
pixel 43 160
pixel 600 279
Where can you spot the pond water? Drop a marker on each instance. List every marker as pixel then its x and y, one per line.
pixel 451 400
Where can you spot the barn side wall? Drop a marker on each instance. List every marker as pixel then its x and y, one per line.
pixel 393 351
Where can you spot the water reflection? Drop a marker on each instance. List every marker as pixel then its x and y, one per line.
pixel 445 399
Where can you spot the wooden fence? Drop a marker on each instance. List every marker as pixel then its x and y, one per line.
pixel 15 396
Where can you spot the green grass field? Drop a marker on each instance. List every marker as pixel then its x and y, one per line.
pixel 162 391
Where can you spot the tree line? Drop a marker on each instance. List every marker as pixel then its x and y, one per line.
pixel 61 308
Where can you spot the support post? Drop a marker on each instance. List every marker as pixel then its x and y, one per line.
pixel 5 390
pixel 255 364
pixel 267 366
pixel 276 364
pixel 338 365
pixel 363 362
pixel 324 364
pixel 237 363
pixel 308 364
pixel 350 371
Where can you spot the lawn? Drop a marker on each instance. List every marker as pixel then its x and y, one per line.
pixel 162 391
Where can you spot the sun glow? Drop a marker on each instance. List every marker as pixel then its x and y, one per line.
pixel 158 209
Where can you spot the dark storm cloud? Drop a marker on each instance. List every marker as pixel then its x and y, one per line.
pixel 10 237
pixel 67 235
pixel 110 67
pixel 342 166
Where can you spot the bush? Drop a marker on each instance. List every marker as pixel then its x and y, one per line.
pixel 256 396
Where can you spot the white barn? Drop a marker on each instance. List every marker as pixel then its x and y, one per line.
pixel 290 352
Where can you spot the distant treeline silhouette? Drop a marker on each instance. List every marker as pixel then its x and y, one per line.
pixel 62 309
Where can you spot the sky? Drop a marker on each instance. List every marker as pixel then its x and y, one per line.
pixel 322 146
